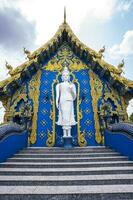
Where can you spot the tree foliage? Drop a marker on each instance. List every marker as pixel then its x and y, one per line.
pixel 131 117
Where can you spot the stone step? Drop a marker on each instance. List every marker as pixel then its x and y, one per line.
pixel 57 160
pixel 65 171
pixel 58 173
pixel 64 155
pixel 87 196
pixel 67 178
pixel 68 164
pixel 69 151
pixel 90 196
pixel 65 182
pixel 62 148
pixel 76 189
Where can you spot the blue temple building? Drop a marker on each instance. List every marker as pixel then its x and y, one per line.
pixel 36 160
pixel 28 95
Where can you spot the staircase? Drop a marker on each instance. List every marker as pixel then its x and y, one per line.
pixel 61 174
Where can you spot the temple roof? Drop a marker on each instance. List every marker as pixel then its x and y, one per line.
pixel 65 34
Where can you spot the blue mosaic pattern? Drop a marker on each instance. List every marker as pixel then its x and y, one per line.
pixel 44 122
pixel 87 122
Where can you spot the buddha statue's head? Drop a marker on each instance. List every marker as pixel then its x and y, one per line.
pixel 65 74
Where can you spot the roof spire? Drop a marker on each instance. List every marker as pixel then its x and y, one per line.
pixel 64 14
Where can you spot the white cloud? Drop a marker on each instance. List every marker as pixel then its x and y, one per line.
pixel 125 48
pixel 103 10
pixel 130 108
pixel 13 58
pixel 125 5
pixel 48 15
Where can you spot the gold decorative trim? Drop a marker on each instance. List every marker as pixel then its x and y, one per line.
pixel 65 55
pixel 34 93
pixel 95 98
pixel 51 135
pixel 51 139
pixel 124 107
pixel 19 94
pixel 81 135
pixel 114 99
pixel 6 104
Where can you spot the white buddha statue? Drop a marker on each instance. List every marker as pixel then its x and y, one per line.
pixel 65 96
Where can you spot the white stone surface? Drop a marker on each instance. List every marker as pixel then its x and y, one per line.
pixel 60 158
pixel 67 163
pixel 66 189
pixel 4 169
pixel 68 154
pixel 67 178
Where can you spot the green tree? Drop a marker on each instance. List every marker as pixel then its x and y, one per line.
pixel 131 117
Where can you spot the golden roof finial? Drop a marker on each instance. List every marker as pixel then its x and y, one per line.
pixel 64 14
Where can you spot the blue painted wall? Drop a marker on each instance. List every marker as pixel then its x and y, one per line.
pixel 119 142
pixel 12 144
pixel 44 122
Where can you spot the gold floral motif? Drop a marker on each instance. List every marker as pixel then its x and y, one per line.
pixel 10 110
pixel 19 94
pixel 65 56
pixel 81 139
pixel 51 139
pixel 96 94
pixel 113 98
pixel 53 67
pixel 51 114
pixel 77 66
pixel 34 93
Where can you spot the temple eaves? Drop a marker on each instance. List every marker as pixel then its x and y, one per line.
pixel 65 33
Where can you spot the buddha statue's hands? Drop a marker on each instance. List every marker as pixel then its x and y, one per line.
pixel 70 87
pixel 72 90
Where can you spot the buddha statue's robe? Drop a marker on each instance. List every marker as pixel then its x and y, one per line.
pixel 65 96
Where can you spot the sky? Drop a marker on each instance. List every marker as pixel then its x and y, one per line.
pixel 31 23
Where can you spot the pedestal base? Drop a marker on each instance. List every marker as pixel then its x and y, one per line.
pixel 67 141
